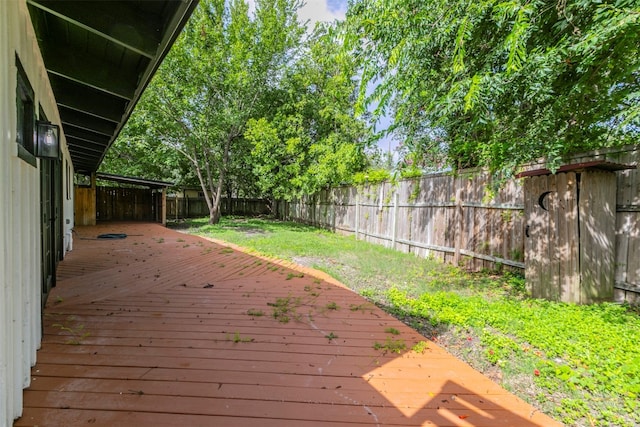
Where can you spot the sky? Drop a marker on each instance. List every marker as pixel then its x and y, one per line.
pixel 322 10
pixel 318 10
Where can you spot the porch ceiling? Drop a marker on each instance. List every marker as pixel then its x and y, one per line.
pixel 100 56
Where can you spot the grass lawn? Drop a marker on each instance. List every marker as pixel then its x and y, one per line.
pixel 579 364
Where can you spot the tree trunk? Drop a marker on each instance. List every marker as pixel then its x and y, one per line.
pixel 229 201
pixel 214 209
pixel 214 213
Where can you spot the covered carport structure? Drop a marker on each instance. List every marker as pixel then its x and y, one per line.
pixel 136 199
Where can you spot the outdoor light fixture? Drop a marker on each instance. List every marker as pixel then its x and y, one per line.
pixel 48 140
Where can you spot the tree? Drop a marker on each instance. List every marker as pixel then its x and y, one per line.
pixel 219 74
pixel 311 140
pixel 500 82
pixel 138 153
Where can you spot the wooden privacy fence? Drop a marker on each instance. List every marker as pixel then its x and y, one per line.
pixel 437 215
pixel 194 207
pixel 452 218
pixel 128 204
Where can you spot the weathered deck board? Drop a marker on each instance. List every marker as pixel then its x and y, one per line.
pixel 136 336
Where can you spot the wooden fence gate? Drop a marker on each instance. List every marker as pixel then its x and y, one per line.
pixel 570 235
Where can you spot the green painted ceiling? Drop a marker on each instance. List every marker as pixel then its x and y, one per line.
pixel 100 56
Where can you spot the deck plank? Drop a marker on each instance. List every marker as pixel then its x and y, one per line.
pixel 154 330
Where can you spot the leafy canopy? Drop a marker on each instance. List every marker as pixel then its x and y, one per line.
pixel 497 83
pixel 312 139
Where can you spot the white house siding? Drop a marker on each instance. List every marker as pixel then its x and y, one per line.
pixel 20 270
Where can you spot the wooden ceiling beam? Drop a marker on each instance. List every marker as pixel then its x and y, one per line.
pixel 74 96
pixel 116 21
pixel 83 135
pixel 85 121
pixel 83 148
pixel 89 71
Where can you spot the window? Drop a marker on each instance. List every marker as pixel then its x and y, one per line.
pixel 26 117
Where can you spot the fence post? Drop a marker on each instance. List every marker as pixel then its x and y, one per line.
pixel 394 230
pixel 357 215
pixel 459 216
pixel 333 210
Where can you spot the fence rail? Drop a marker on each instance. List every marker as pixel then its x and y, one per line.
pixel 452 218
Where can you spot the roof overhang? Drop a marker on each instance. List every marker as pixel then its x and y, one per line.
pixel 595 164
pixel 100 56
pixel 151 183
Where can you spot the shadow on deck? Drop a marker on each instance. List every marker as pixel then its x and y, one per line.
pixel 166 329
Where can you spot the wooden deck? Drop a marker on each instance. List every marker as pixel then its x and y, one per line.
pixel 164 329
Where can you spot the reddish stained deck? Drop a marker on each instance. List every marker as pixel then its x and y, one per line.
pixel 135 336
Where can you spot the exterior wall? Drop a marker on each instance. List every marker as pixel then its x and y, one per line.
pixel 20 247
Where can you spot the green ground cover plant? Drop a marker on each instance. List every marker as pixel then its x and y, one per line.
pixel 580 364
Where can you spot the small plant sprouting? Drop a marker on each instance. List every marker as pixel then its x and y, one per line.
pixel 368 293
pixel 311 292
pixel 332 306
pixel 284 309
pixel 392 331
pixel 76 334
pixel 255 313
pixel 331 336
pixel 292 275
pixel 226 251
pixel 237 338
pixel 420 347
pixel 360 307
pixel 394 346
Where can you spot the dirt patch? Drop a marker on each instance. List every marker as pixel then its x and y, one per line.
pixel 311 262
pixel 248 230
